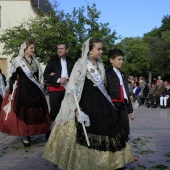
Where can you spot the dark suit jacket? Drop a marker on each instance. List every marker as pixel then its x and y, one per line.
pixel 113 86
pixel 54 65
pixel 145 91
pixel 166 92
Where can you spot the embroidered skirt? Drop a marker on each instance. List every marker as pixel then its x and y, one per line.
pixel 62 149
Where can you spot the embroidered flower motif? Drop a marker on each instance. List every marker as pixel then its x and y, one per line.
pixel 92 70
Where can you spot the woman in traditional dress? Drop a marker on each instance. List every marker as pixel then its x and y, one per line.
pixel 24 110
pixel 67 146
pixel 2 86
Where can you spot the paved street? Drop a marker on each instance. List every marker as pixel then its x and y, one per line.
pixel 150 139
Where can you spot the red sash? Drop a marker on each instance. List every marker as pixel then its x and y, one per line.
pixel 60 88
pixel 121 96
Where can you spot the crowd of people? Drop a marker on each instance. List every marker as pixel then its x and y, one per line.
pixel 87 126
pixel 152 94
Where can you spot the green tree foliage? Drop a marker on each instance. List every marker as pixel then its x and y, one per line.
pixel 136 61
pixel 89 26
pixel 158 41
pixel 46 32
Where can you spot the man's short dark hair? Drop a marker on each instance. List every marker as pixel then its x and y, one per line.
pixel 63 43
pixel 114 53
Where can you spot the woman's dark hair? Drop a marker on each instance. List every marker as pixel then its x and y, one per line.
pixel 92 42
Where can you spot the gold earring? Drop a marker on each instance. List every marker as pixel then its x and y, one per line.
pixel 91 55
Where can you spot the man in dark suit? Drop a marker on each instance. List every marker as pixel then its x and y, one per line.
pixel 56 76
pixel 158 90
pixel 117 87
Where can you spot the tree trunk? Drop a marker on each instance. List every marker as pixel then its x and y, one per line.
pixel 150 77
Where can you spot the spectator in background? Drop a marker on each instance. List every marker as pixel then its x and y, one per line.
pixel 154 80
pixel 165 96
pixel 130 79
pixel 156 94
pixel 135 79
pixel 137 92
pixel 159 78
pixel 166 83
pixel 144 93
pixel 141 79
pixel 130 88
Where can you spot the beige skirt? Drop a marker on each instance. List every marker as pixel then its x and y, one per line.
pixel 63 150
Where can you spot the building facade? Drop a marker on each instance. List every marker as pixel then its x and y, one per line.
pixel 15 12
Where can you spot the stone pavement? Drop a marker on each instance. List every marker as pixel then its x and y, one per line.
pixel 150 141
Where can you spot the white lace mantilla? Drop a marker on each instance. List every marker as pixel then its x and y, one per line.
pixel 76 80
pixel 14 65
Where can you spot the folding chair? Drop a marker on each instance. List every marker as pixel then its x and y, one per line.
pixel 146 99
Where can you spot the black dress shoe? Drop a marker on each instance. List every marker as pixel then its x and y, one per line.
pixel 161 106
pixel 165 107
pixel 26 144
pixel 148 106
pixel 154 106
pixel 48 134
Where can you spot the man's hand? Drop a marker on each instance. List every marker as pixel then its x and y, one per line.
pixel 76 112
pixel 132 116
pixel 63 80
pixel 52 74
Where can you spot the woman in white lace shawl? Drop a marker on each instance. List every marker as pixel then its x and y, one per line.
pixel 2 86
pixel 67 146
pixel 24 109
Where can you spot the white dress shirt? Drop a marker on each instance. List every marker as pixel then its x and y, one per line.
pixel 121 82
pixel 64 72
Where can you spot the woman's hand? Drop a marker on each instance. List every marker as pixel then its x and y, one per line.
pixel 9 97
pixel 52 74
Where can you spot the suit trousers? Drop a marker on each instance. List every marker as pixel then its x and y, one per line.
pixel 123 116
pixel 55 99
